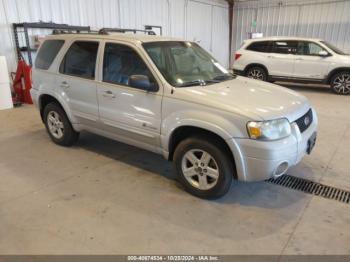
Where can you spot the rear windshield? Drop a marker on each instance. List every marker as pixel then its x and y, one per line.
pixel 48 53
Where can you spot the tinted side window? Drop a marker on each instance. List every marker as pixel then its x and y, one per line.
pixel 262 46
pixel 309 48
pixel 285 47
pixel 120 62
pixel 48 53
pixel 80 60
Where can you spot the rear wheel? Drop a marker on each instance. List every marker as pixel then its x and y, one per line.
pixel 257 72
pixel 58 126
pixel 203 168
pixel 340 83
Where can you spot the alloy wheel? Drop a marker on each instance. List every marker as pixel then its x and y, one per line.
pixel 341 84
pixel 55 124
pixel 255 74
pixel 200 169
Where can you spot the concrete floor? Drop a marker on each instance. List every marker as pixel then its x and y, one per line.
pixel 101 196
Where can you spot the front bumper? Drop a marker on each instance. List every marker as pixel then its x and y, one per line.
pixel 261 160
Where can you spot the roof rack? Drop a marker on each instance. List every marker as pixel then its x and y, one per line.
pixel 62 32
pixel 106 31
pixel 22 28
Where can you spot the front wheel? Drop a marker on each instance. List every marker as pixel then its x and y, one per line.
pixel 257 72
pixel 203 168
pixel 340 83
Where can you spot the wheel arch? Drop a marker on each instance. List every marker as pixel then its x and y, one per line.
pixel 182 132
pixel 336 71
pixel 46 98
pixel 257 65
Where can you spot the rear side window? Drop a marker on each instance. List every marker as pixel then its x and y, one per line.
pixel 80 60
pixel 48 53
pixel 261 46
pixel 285 47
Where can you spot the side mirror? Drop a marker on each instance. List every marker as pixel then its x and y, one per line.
pixel 142 82
pixel 323 53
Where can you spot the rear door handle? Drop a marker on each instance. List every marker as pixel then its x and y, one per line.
pixel 300 59
pixel 108 93
pixel 270 56
pixel 65 85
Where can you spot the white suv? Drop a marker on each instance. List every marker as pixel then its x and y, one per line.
pixel 296 60
pixel 171 97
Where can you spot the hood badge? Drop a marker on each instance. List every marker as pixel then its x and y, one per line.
pixel 306 121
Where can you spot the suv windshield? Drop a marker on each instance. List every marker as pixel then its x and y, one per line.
pixel 186 63
pixel 333 48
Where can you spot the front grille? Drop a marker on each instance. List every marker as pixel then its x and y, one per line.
pixel 305 121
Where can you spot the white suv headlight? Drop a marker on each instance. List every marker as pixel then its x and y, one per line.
pixel 269 130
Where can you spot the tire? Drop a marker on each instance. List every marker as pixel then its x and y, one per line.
pixel 201 180
pixel 257 73
pixel 58 126
pixel 340 83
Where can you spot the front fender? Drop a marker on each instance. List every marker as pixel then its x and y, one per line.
pixel 211 122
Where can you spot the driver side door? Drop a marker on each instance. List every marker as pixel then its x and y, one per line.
pixel 131 114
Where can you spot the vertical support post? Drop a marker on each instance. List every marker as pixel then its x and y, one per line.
pixel 29 51
pixel 15 33
pixel 230 13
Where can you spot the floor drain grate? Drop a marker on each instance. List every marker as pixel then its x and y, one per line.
pixel 310 187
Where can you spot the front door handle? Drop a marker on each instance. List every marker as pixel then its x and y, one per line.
pixel 300 59
pixel 108 93
pixel 64 85
pixel 270 56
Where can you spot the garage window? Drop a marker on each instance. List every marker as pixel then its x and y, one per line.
pixel 48 53
pixel 80 60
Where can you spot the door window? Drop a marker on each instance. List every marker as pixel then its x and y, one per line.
pixel 284 47
pixel 48 53
pixel 309 48
pixel 261 46
pixel 120 62
pixel 80 60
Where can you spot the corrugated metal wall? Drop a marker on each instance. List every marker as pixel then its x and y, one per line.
pixel 326 19
pixel 205 21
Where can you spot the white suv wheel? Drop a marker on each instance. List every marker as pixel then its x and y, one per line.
pixel 341 83
pixel 257 73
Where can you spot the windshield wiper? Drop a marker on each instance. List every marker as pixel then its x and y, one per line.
pixel 224 77
pixel 198 82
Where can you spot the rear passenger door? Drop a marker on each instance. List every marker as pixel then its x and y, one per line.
pixel 282 58
pixel 76 80
pixel 131 114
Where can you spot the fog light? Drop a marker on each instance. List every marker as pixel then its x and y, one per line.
pixel 281 169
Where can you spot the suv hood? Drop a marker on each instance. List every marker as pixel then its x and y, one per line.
pixel 255 99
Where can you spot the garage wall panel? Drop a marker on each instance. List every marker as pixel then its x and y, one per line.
pixel 190 19
pixel 326 19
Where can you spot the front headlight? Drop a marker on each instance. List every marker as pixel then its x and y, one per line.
pixel 269 130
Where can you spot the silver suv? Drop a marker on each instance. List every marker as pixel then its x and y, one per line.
pixel 171 97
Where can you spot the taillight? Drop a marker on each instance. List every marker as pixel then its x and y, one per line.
pixel 237 56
